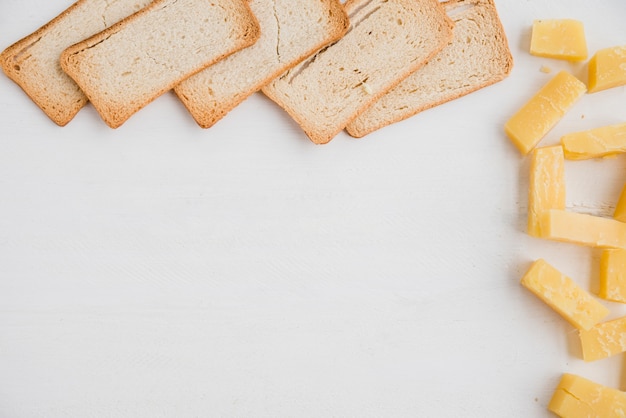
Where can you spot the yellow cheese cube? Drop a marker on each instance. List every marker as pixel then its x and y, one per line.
pixel 547 185
pixel 559 38
pixel 607 69
pixel 595 143
pixel 535 119
pixel 613 275
pixel 577 397
pixel 620 208
pixel 560 292
pixel 604 340
pixel 579 228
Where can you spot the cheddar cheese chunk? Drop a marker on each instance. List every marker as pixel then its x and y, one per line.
pixel 543 111
pixel 620 208
pixel 604 340
pixel 560 292
pixel 594 143
pixel 547 185
pixel 559 38
pixel 577 397
pixel 583 229
pixel 613 275
pixel 607 69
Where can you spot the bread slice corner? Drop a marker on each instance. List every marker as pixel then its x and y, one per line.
pixel 387 40
pixel 477 57
pixel 128 65
pixel 33 62
pixel 291 30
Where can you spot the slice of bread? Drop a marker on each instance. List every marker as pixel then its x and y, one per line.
pixel 128 65
pixel 33 62
pixel 291 30
pixel 478 56
pixel 387 41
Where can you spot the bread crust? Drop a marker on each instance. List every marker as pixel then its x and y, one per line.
pixel 42 78
pixel 371 120
pixel 281 89
pixel 197 92
pixel 114 106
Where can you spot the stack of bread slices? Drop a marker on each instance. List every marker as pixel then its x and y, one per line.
pixel 357 66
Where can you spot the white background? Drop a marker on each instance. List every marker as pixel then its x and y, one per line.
pixel 162 270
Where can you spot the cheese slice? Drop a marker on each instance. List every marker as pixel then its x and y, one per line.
pixel 607 69
pixel 604 340
pixel 613 263
pixel 559 38
pixel 583 229
pixel 543 111
pixel 577 397
pixel 620 208
pixel 563 295
pixel 613 275
pixel 547 185
pixel 594 143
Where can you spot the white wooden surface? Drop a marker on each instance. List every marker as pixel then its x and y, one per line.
pixel 162 270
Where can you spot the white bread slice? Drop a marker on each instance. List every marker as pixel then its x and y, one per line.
pixel 33 62
pixel 387 41
pixel 291 30
pixel 126 66
pixel 478 56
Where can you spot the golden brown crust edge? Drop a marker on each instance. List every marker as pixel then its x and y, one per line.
pixel 208 119
pixel 410 70
pixel 356 132
pixel 112 118
pixel 320 138
pixel 8 67
pixel 442 45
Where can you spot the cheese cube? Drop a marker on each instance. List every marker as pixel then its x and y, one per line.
pixel 613 275
pixel 542 112
pixel 583 229
pixel 547 185
pixel 607 69
pixel 604 340
pixel 594 143
pixel 559 38
pixel 560 292
pixel 577 397
pixel 620 208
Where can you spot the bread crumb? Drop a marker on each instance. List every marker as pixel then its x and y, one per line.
pixel 367 88
pixel 545 69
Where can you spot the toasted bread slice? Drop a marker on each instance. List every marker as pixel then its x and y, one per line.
pixel 477 57
pixel 291 30
pixel 128 65
pixel 387 40
pixel 33 62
